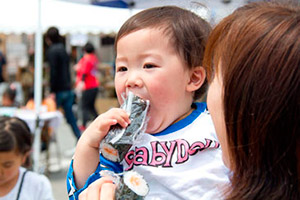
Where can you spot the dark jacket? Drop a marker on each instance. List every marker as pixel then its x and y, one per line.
pixel 2 63
pixel 60 77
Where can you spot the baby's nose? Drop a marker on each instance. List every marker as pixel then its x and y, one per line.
pixel 134 80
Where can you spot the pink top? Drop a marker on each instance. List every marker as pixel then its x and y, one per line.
pixel 88 67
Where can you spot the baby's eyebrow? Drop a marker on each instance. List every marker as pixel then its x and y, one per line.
pixel 121 59
pixel 154 55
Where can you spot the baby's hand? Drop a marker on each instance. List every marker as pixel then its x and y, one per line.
pixel 87 149
pixel 99 128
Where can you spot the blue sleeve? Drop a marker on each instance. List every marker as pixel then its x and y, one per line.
pixel 73 191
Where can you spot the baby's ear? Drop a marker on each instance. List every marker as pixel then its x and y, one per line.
pixel 197 77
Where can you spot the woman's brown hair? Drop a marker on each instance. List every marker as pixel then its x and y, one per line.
pixel 187 33
pixel 256 50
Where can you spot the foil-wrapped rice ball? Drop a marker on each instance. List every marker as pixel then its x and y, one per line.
pixel 119 140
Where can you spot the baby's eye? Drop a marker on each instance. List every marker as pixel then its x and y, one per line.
pixel 149 66
pixel 121 69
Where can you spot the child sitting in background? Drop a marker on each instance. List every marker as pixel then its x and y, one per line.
pixel 9 96
pixel 48 102
pixel 15 181
pixel 159 58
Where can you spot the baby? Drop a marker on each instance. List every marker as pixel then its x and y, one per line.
pixel 159 58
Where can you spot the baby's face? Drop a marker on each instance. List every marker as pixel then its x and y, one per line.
pixel 9 167
pixel 148 65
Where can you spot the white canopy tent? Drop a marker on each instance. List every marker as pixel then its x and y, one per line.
pixel 19 16
pixel 36 16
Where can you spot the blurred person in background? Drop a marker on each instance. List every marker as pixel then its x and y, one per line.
pixel 87 83
pixel 9 97
pixel 47 101
pixel 16 182
pixel 2 65
pixel 60 77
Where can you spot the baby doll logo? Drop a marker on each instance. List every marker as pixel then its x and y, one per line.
pixel 162 153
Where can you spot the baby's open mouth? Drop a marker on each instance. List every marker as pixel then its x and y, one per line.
pixel 125 95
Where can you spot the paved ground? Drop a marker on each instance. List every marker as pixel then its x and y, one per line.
pixel 65 146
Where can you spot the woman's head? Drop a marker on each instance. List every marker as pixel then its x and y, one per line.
pixel 15 145
pixel 252 58
pixel 186 31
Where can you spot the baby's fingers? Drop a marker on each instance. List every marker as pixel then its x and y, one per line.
pixel 108 191
pixel 122 119
pixel 101 189
pixel 117 116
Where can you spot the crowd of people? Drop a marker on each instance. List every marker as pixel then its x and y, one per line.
pixel 17 181
pixel 242 143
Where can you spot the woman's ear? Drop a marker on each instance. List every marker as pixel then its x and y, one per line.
pixel 197 78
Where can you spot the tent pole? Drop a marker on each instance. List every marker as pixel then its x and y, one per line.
pixel 37 87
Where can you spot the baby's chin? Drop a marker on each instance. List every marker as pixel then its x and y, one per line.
pixel 150 131
pixel 153 128
pixel 155 123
